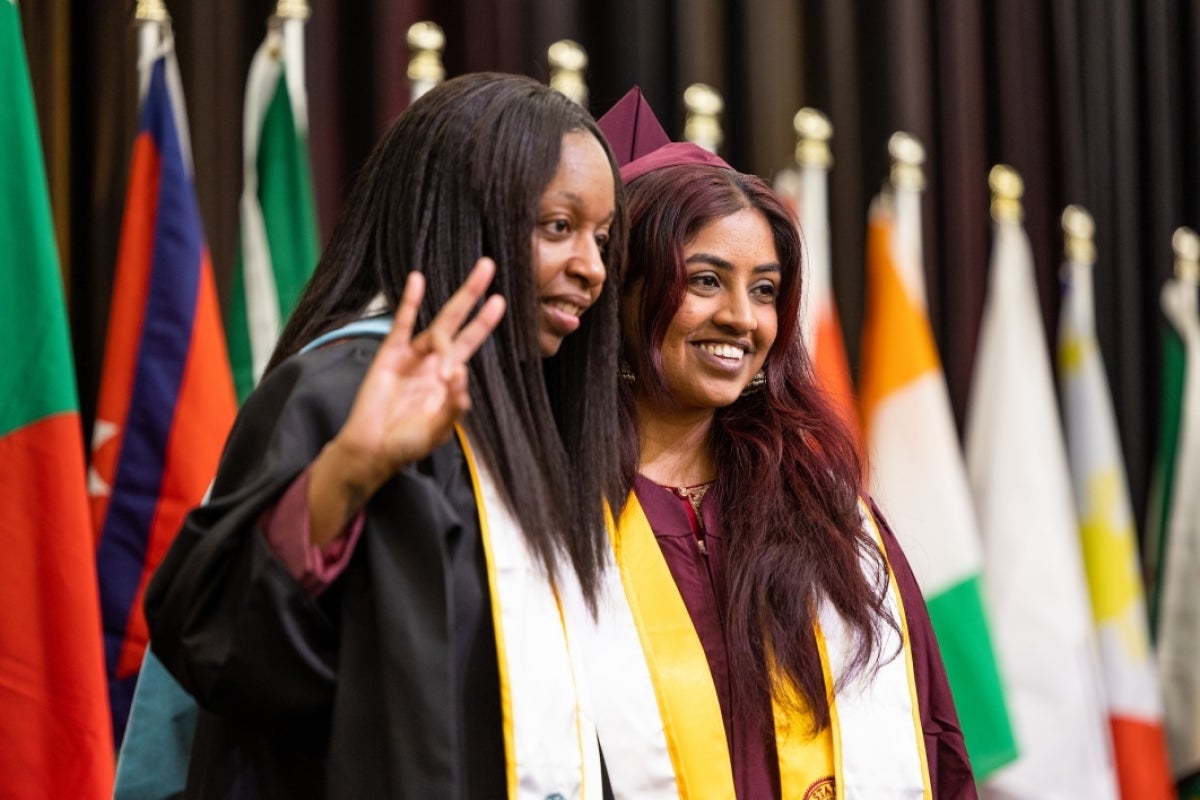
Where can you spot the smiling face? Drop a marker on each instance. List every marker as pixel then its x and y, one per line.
pixel 727 321
pixel 575 213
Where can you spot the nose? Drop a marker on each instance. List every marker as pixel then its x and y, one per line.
pixel 736 313
pixel 587 263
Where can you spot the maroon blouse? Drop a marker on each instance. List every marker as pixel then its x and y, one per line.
pixel 698 568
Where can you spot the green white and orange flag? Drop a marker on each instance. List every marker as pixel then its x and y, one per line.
pixel 279 241
pixel 1178 504
pixel 55 729
pixel 807 190
pixel 1033 578
pixel 1109 542
pixel 917 472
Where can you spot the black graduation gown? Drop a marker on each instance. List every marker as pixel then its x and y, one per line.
pixel 386 684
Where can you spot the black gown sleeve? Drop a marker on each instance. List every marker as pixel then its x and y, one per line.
pixel 225 616
pixel 946 752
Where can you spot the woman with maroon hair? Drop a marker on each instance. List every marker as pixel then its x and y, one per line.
pixel 785 641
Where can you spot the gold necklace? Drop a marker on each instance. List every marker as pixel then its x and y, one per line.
pixel 694 495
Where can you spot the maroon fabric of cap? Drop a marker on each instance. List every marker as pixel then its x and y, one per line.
pixel 640 143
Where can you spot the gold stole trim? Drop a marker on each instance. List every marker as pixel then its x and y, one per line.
pixel 491 510
pixel 684 688
pixel 687 699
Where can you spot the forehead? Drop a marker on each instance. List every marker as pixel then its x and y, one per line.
pixel 744 235
pixel 582 164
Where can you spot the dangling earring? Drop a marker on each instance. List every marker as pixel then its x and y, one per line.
pixel 755 383
pixel 626 372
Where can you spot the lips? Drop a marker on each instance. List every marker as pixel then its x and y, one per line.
pixel 562 314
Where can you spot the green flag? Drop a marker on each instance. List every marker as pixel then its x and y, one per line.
pixel 55 726
pixel 1175 513
pixel 279 242
pixel 1163 476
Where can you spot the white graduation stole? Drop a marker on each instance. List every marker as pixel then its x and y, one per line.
pixel 550 743
pixel 644 657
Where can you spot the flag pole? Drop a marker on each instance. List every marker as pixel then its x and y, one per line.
pixel 703 122
pixel 568 60
pixel 425 70
pixel 289 19
pixel 1007 190
pixel 151 11
pixel 813 132
pixel 1186 245
pixel 907 154
pixel 293 9
pixel 154 24
pixel 1078 235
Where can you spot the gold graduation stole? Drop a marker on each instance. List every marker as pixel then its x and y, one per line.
pixel 550 743
pixel 644 655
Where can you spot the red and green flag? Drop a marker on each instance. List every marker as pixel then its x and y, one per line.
pixel 55 732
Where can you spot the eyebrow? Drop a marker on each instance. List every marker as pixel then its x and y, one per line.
pixel 578 201
pixel 722 264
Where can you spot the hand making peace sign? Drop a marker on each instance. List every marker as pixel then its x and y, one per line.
pixel 414 391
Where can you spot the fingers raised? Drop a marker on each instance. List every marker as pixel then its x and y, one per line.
pixel 395 344
pixel 410 304
pixel 476 332
pixel 452 315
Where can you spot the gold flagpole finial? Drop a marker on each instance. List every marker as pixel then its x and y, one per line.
pixel 1007 190
pixel 1186 244
pixel 908 154
pixel 1079 234
pixel 568 60
pixel 425 70
pixel 151 11
pixel 813 132
pixel 703 122
pixel 292 9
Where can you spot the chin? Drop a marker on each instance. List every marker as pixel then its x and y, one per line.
pixel 549 346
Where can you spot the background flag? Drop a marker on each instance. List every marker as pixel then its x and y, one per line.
pixel 1108 539
pixel 807 191
pixel 279 242
pixel 1179 611
pixel 55 735
pixel 917 471
pixel 1033 574
pixel 166 396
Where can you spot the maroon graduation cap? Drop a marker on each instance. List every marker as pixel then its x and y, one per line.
pixel 640 143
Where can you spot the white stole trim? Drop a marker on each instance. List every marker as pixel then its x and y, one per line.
pixel 626 707
pixel 882 748
pixel 879 746
pixel 550 737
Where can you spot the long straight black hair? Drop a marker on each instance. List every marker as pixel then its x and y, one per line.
pixel 458 176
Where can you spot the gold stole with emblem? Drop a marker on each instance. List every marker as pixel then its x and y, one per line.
pixel 644 654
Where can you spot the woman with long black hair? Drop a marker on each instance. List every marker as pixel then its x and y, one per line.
pixel 370 603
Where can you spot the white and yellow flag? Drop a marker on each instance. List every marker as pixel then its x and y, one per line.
pixel 1033 568
pixel 1109 544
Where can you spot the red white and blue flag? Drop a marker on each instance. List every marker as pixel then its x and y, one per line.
pixel 166 397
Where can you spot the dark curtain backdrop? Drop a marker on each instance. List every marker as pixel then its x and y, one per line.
pixel 1093 102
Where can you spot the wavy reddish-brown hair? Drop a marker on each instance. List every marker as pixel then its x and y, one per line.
pixel 788 472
